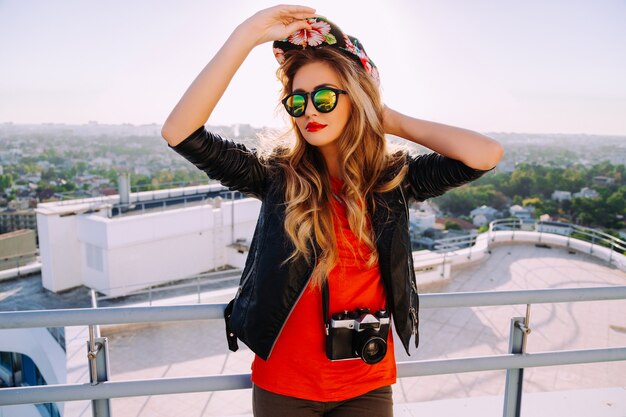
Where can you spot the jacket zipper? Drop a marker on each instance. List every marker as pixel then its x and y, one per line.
pixel 408 261
pixel 297 299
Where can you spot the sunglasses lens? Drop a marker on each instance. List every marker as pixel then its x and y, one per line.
pixel 295 104
pixel 325 100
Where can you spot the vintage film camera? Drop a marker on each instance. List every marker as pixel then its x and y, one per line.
pixel 357 334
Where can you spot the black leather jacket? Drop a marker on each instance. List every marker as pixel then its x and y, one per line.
pixel 269 290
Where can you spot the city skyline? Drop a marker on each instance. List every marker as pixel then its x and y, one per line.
pixel 557 67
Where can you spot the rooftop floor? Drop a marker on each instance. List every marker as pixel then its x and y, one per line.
pixel 199 348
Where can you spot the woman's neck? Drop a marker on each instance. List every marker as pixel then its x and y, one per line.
pixel 331 157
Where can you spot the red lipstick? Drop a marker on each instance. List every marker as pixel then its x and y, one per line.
pixel 314 127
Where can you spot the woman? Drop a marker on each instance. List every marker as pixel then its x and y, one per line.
pixel 332 236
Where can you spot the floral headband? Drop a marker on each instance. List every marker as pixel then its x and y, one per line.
pixel 324 33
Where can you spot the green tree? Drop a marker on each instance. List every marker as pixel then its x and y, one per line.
pixel 521 183
pixel 451 225
pixel 6 181
pixel 616 202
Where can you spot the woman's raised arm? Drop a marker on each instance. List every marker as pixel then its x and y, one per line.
pixel 473 149
pixel 197 104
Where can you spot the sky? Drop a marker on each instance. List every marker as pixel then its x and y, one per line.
pixel 534 66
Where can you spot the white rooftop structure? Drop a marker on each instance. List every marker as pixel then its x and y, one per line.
pixel 159 236
pixel 422 219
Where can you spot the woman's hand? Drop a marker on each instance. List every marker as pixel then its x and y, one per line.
pixel 276 23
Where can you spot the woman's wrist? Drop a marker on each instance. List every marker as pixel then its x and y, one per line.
pixel 244 36
pixel 391 122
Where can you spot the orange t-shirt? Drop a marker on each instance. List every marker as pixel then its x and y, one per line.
pixel 298 365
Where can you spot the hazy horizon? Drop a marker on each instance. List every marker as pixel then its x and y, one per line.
pixel 534 67
pixel 97 123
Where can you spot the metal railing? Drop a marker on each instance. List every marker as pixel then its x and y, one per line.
pixel 593 236
pixel 100 391
pixel 154 288
pixel 448 249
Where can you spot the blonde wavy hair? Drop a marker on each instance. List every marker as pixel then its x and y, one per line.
pixel 367 167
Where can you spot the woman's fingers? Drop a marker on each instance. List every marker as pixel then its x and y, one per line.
pixel 295 9
pixel 304 15
pixel 296 26
pixel 283 13
pixel 278 22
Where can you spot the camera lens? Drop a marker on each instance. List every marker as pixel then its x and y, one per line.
pixel 373 350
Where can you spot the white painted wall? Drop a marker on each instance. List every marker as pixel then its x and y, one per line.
pixel 142 250
pixel 236 259
pixel 60 251
pixel 126 253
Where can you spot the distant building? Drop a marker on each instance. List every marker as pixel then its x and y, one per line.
pixel 564 229
pixel 93 180
pixel 19 204
pixel 33 178
pixel 601 180
pixel 524 213
pixel 422 219
pixel 561 195
pixel 463 224
pixel 11 220
pixel 480 220
pixel 586 192
pixel 17 248
pixel 482 215
pixel 545 218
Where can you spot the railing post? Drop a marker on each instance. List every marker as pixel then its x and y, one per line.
pixel 593 241
pixel 515 377
pixel 98 353
pixel 443 265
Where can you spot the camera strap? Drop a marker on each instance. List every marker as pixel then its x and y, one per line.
pixel 325 304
